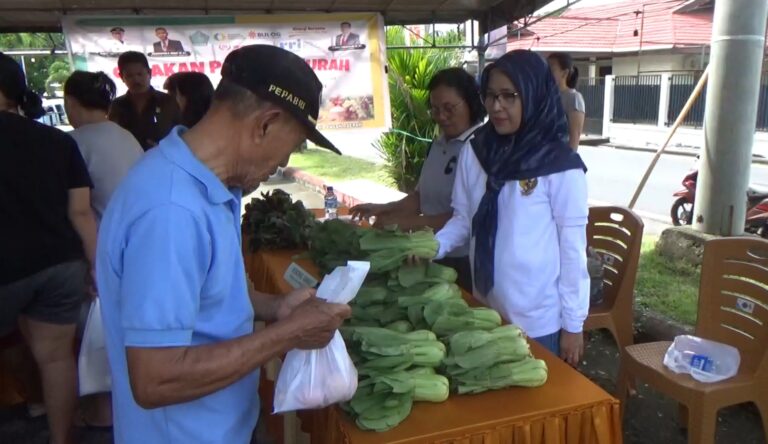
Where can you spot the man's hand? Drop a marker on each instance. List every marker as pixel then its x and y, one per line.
pixel 90 283
pixel 318 320
pixel 571 347
pixel 287 303
pixel 366 211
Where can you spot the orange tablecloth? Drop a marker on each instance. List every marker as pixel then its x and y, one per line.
pixel 567 409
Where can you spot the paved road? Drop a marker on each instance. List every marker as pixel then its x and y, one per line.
pixel 614 174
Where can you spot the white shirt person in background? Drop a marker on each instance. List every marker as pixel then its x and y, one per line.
pixel 520 198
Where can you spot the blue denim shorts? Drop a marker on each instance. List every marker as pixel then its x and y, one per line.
pixel 53 295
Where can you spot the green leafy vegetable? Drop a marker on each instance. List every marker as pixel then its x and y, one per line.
pixel 274 221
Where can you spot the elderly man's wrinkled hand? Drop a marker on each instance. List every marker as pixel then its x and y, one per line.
pixel 319 320
pixel 287 303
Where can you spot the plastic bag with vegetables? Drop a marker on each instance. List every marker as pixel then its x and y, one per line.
pixel 311 379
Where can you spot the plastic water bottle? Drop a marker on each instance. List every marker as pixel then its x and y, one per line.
pixel 331 204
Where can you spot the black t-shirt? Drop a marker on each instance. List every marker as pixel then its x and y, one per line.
pixel 38 166
pixel 153 123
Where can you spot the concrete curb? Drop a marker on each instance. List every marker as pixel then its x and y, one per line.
pixel 674 152
pixel 651 326
pixel 317 184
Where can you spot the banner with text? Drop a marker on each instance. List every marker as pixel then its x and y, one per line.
pixel 346 51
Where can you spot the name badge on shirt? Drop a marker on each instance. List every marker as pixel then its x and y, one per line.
pixel 297 277
pixel 527 186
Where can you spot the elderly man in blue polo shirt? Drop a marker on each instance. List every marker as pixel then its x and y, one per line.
pixel 178 314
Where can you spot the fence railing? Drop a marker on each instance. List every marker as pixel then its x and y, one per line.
pixel 593 91
pixel 680 88
pixel 762 103
pixel 636 99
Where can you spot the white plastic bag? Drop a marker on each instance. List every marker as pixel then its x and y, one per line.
pixel 93 367
pixel 312 379
pixel 704 360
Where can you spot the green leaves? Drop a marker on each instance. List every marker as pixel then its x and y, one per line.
pixel 333 243
pixel 276 222
pixel 410 71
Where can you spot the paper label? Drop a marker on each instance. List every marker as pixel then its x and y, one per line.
pixel 701 362
pixel 297 277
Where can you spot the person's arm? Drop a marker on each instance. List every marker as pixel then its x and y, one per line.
pixel 568 199
pixel 575 128
pixel 576 115
pixel 81 216
pixel 269 307
pixel 165 265
pixel 79 210
pixel 162 376
pixel 410 205
pixel 410 221
pixel 457 230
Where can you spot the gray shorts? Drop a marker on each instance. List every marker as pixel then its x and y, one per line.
pixel 53 295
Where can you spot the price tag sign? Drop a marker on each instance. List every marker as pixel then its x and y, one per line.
pixel 297 277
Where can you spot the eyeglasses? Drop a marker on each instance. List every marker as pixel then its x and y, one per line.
pixel 505 99
pixel 446 109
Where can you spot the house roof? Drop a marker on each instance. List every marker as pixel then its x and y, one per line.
pixel 45 15
pixel 664 24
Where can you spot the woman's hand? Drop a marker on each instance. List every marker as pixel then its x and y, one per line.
pixel 571 347
pixel 366 211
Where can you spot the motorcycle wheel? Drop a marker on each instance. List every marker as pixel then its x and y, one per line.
pixel 682 212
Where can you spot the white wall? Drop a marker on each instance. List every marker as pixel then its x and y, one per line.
pixel 627 65
pixel 648 136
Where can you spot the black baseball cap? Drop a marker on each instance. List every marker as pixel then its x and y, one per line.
pixel 117 29
pixel 280 77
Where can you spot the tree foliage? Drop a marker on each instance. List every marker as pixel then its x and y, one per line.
pixel 410 71
pixel 42 71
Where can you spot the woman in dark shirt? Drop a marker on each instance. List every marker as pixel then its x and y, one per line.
pixel 193 92
pixel 48 229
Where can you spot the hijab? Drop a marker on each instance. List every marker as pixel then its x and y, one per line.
pixel 538 148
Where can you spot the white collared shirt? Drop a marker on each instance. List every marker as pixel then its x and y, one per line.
pixel 541 282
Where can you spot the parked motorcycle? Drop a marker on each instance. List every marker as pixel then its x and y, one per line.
pixel 757 219
pixel 757 206
pixel 682 208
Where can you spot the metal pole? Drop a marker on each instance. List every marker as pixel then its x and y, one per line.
pixel 738 38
